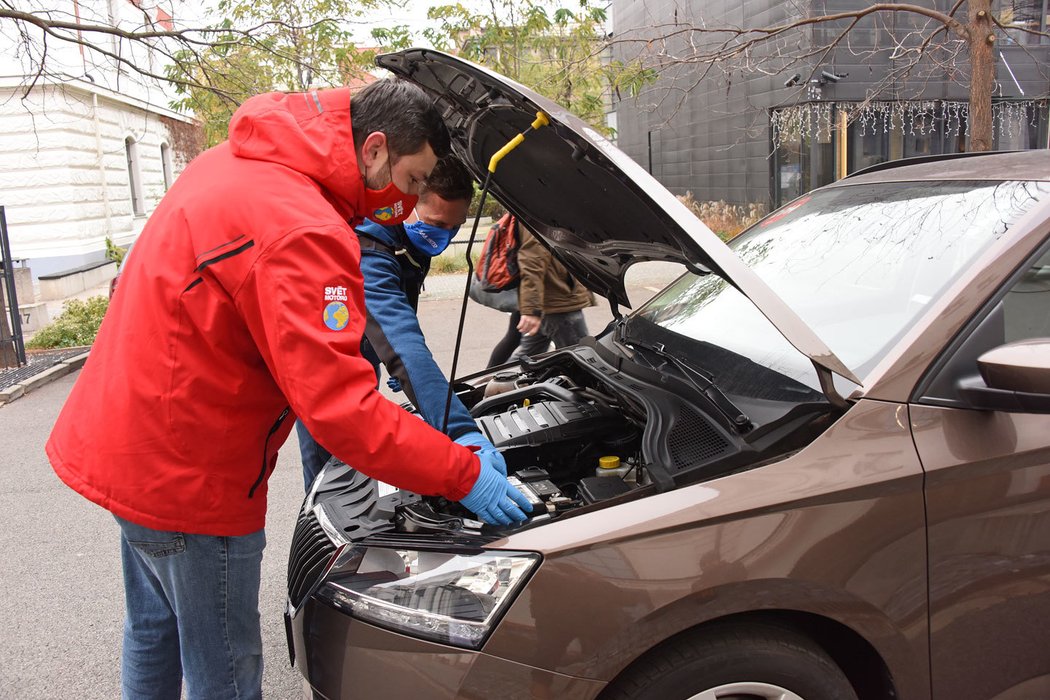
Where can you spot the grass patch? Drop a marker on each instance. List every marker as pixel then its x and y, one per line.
pixel 451 263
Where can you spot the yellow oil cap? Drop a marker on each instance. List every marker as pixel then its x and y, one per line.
pixel 609 462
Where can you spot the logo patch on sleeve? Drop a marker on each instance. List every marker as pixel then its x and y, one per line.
pixel 336 316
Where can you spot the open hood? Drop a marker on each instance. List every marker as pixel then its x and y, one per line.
pixel 597 209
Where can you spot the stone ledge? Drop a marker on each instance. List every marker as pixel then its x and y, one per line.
pixel 76 362
pixel 46 377
pixel 11 393
pixel 69 283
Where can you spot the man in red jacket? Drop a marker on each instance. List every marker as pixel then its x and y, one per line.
pixel 242 308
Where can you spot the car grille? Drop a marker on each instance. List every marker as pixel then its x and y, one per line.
pixel 311 550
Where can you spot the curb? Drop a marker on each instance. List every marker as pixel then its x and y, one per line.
pixel 46 377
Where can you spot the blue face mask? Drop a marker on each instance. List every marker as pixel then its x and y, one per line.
pixel 429 239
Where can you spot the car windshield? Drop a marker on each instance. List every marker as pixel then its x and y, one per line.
pixel 858 264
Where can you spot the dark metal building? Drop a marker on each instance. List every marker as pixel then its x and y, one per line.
pixel 788 116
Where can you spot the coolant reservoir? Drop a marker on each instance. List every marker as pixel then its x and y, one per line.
pixel 610 465
pixel 501 382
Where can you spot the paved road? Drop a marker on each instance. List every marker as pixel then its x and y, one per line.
pixel 61 605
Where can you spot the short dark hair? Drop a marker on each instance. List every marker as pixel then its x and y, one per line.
pixel 449 180
pixel 403 112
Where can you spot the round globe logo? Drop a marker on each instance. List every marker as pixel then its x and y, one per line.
pixel 336 316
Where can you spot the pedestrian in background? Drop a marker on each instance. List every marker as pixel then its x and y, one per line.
pixel 550 300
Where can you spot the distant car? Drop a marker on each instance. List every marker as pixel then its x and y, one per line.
pixel 815 466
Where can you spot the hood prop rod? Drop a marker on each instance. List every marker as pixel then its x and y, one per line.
pixel 540 121
pixel 827 385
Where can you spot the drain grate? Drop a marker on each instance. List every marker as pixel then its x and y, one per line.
pixel 35 364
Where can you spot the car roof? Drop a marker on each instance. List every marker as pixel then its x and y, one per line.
pixel 994 166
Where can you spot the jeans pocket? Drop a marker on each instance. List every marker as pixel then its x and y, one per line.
pixel 172 544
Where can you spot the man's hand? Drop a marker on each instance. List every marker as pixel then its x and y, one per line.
pixel 493 499
pixel 485 448
pixel 529 325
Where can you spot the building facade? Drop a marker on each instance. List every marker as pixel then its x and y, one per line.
pixel 80 164
pixel 87 146
pixel 791 114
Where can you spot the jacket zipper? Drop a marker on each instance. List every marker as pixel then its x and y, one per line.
pixel 266 448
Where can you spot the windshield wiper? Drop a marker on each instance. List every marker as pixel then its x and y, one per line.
pixel 700 381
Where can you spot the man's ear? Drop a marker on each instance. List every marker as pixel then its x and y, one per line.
pixel 373 151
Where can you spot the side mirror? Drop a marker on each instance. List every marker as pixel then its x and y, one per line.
pixel 1014 377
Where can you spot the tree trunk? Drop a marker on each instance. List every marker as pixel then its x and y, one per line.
pixel 982 74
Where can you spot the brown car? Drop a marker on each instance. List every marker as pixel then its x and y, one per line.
pixel 815 466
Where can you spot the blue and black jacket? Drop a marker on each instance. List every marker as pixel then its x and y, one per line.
pixel 394 271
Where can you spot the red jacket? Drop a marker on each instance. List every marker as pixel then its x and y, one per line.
pixel 241 308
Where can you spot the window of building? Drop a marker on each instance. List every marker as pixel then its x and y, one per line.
pixel 165 164
pixel 804 159
pixel 134 175
pixel 1027 15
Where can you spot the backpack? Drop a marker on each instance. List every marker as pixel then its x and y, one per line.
pixel 497 269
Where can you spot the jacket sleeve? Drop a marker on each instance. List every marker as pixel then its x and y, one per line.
pixel 533 259
pixel 303 303
pixel 393 331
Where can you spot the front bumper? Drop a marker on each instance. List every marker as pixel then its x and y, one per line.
pixel 343 659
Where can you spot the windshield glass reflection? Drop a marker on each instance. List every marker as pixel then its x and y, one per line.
pixel 859 264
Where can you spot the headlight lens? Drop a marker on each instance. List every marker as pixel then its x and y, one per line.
pixel 452 598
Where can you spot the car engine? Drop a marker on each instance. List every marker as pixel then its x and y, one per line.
pixel 580 429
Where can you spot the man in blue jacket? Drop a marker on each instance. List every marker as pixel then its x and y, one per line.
pixel 394 261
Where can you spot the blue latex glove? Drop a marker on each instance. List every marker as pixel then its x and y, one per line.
pixel 394 383
pixel 493 499
pixel 486 449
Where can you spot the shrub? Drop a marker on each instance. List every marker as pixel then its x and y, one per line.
pixel 115 252
pixel 727 220
pixel 77 325
pixel 493 208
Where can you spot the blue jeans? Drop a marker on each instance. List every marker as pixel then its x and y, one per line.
pixel 192 611
pixel 313 455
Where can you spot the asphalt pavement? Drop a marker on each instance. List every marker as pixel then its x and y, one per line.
pixel 61 606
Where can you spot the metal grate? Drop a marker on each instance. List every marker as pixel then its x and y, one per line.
pixel 311 550
pixel 693 440
pixel 35 364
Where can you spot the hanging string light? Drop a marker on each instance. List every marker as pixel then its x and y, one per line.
pixel 922 117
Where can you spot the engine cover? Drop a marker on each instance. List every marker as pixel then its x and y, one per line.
pixel 546 422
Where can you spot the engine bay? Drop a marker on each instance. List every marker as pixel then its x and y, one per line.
pixel 580 428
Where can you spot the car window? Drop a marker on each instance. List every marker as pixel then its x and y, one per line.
pixel 858 263
pixel 1022 312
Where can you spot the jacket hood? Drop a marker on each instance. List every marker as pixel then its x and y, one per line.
pixel 597 210
pixel 307 132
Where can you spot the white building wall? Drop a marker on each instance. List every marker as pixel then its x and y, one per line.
pixel 64 173
pixel 63 169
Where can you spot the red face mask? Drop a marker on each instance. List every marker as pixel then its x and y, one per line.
pixel 388 206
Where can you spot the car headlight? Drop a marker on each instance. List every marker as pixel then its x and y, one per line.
pixel 449 597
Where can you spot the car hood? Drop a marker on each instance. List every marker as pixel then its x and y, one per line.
pixel 596 209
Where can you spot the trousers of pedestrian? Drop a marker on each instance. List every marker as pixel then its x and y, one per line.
pixel 563 329
pixel 192 614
